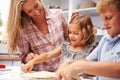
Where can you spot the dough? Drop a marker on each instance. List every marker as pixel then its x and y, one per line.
pixel 45 75
pixel 79 78
pixel 40 74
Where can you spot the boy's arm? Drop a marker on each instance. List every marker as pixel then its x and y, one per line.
pixel 106 69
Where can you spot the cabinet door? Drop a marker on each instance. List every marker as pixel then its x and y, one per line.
pixel 17 63
pixel 84 6
pixel 7 63
pixel 68 6
pixel 62 4
pixel 11 63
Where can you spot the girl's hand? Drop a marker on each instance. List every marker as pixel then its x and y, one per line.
pixel 27 67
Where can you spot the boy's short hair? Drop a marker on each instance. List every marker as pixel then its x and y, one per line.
pixel 103 5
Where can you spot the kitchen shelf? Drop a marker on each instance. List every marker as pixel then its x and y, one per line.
pixel 88 11
pixel 69 6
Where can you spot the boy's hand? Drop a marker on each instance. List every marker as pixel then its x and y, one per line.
pixel 61 67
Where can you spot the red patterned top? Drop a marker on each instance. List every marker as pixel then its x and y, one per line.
pixel 32 40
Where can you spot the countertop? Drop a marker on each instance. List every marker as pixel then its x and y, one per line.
pixel 15 73
pixel 11 73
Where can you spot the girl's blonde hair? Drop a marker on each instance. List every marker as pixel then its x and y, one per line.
pixel 86 27
pixel 17 20
pixel 103 5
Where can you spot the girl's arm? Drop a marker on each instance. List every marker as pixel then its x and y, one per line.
pixel 41 58
pixel 47 56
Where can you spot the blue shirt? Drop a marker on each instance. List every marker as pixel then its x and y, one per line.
pixel 108 50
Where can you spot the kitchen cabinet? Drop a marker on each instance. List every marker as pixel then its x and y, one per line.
pixel 10 63
pixel 6 58
pixel 10 60
pixel 68 6
pixel 62 4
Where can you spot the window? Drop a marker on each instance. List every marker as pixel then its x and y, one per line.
pixel 4 9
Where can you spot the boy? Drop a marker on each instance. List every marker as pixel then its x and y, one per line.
pixel 104 61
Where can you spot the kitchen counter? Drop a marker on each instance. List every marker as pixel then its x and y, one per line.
pixel 11 73
pixel 15 73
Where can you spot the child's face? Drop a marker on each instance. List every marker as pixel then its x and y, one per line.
pixel 75 34
pixel 111 18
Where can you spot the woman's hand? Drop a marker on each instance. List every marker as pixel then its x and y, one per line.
pixel 30 57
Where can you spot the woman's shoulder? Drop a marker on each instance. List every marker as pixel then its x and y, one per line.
pixel 58 14
pixel 29 28
pixel 55 11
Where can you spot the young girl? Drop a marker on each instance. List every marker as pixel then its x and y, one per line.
pixel 81 36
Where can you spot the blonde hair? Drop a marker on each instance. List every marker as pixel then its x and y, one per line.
pixel 86 27
pixel 103 5
pixel 17 19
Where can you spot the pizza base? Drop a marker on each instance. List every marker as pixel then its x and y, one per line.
pixel 40 74
pixel 45 75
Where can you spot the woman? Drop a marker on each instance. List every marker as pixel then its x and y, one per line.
pixel 34 30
